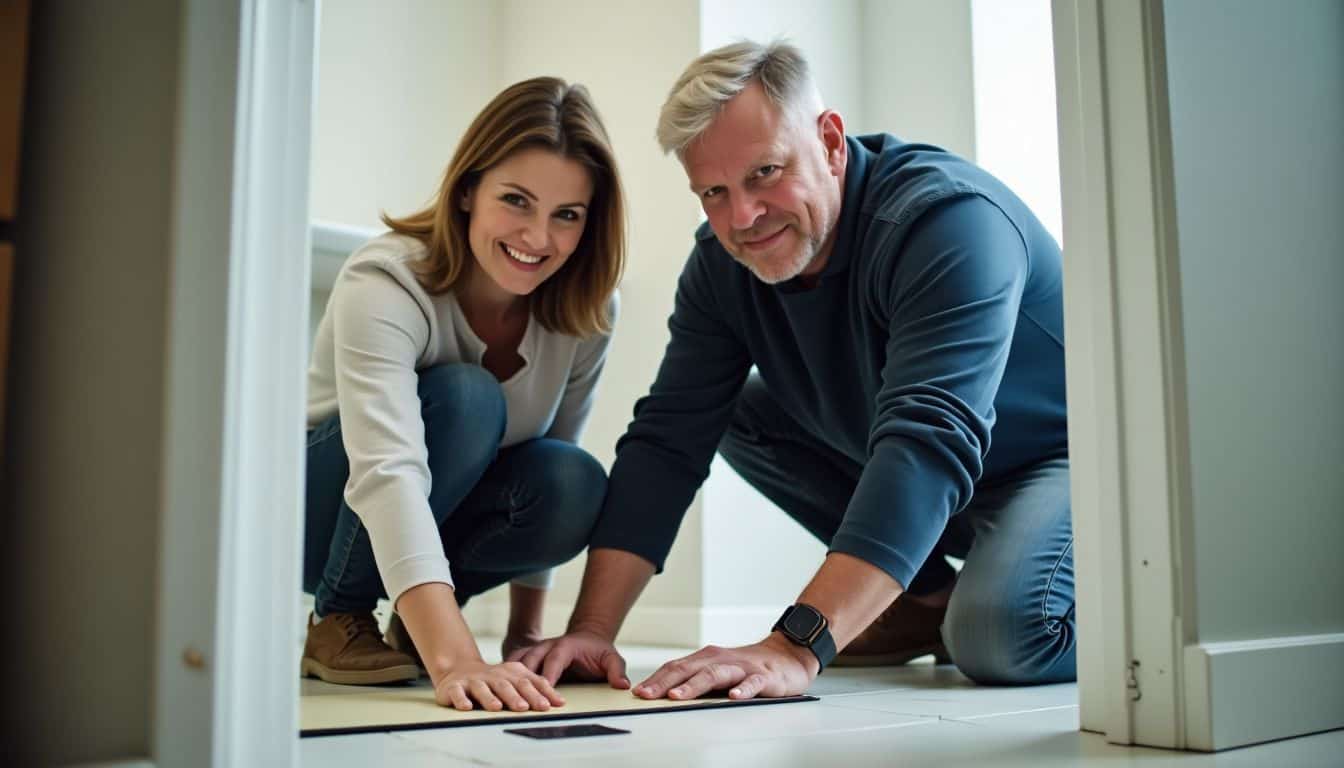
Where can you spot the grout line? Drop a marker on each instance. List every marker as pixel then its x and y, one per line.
pixel 1016 712
pixel 400 736
pixel 963 719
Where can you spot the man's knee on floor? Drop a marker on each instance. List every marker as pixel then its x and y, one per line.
pixel 997 643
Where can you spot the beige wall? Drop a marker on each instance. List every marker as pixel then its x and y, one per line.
pixel 82 484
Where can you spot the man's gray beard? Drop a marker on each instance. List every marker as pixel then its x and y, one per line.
pixel 806 256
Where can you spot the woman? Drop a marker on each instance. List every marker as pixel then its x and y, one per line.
pixel 451 377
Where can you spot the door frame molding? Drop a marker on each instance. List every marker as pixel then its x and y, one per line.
pixel 227 641
pixel 1125 359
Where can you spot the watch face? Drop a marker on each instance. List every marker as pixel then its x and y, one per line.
pixel 802 623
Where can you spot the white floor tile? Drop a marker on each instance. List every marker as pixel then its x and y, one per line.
pixel 666 733
pixel 371 749
pixel 913 716
pixel 960 701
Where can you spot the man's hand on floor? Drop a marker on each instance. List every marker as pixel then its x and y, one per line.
pixel 578 655
pixel 771 668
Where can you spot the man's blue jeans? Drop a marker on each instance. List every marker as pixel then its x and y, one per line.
pixel 502 513
pixel 1011 618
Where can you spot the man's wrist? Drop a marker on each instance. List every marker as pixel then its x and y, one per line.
pixel 591 627
pixel 802 653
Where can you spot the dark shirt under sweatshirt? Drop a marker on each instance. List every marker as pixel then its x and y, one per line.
pixel 931 352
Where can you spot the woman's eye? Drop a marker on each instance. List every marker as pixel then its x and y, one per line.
pixel 514 199
pixel 568 215
pixel 711 192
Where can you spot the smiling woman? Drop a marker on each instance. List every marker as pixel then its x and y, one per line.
pixel 464 347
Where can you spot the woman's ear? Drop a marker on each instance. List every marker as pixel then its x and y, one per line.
pixel 464 198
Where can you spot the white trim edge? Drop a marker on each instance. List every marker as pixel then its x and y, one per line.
pixel 1266 689
pixel 332 244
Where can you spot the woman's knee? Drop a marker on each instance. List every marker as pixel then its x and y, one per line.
pixel 573 487
pixel 995 642
pixel 463 403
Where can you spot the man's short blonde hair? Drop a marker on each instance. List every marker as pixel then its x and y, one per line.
pixel 714 78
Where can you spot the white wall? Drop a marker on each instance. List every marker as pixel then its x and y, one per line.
pixel 398 82
pixel 82 493
pixel 1016 137
pixel 1257 112
pixel 918 80
pixel 826 31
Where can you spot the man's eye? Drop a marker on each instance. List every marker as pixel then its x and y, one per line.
pixel 766 170
pixel 711 192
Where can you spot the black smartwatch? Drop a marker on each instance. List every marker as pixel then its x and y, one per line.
pixel 804 625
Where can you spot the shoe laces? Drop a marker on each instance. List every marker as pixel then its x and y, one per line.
pixel 356 624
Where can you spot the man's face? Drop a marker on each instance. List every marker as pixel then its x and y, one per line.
pixel 770 184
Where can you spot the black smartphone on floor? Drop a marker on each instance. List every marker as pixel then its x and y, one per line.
pixel 565 731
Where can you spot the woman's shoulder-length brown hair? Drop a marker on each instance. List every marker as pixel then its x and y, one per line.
pixel 549 113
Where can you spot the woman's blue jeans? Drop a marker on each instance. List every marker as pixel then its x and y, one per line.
pixel 1011 618
pixel 501 512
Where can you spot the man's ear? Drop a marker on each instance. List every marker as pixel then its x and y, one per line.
pixel 831 126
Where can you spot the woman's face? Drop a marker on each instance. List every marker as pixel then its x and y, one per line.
pixel 527 214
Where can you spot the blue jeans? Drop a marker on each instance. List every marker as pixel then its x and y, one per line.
pixel 1011 617
pixel 501 513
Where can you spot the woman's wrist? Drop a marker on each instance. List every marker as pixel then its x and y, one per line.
pixel 436 625
pixel 444 666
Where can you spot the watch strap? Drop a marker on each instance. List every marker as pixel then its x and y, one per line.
pixel 821 644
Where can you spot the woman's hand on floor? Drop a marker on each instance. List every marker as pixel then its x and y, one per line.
pixel 495 687
pixel 577 655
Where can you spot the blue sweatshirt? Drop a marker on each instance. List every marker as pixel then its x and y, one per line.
pixel 931 352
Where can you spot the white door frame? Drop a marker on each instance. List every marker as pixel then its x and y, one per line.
pixel 226 663
pixel 1125 367
pixel 1144 675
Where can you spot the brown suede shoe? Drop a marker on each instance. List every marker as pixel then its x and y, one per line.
pixel 906 630
pixel 344 648
pixel 398 639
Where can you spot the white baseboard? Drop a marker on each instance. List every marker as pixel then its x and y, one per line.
pixel 739 624
pixel 676 626
pixel 143 763
pixel 1240 693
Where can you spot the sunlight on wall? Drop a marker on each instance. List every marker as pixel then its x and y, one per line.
pixel 1016 137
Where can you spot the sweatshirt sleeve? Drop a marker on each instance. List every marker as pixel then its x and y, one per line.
pixel 951 296
pixel 664 455
pixel 380 331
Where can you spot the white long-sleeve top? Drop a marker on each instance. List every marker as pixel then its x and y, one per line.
pixel 380 327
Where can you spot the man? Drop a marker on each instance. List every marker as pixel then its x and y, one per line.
pixel 904 311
